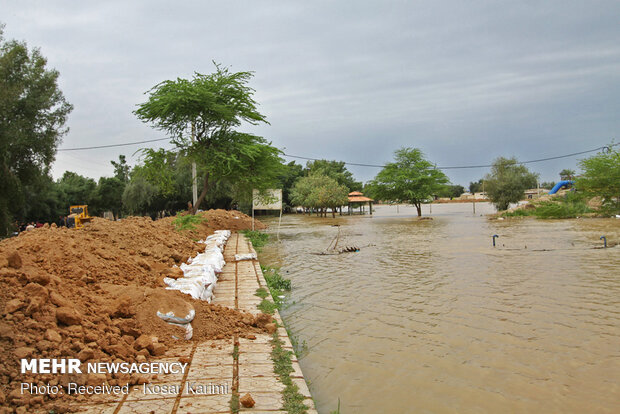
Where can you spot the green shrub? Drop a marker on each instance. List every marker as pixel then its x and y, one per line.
pixel 258 238
pixel 187 221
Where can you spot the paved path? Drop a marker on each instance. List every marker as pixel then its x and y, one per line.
pixel 212 363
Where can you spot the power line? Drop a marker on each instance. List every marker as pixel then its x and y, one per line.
pixel 469 166
pixel 354 163
pixel 113 145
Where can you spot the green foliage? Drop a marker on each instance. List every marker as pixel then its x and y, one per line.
pixel 336 170
pixel 121 169
pixel 137 195
pixel 451 191
pixel 283 367
pixel 267 306
pixel 547 185
pixel 262 293
pixel 109 195
pixel 570 206
pixel 185 222
pixel 601 178
pixel 477 186
pixel 258 238
pixel 410 178
pixel 213 106
pixel 567 174
pixel 319 192
pixel 274 279
pixel 291 172
pixel 508 181
pixel 277 287
pixel 566 209
pixel 33 112
pixel 75 189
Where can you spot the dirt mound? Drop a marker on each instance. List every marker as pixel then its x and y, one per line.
pixel 93 294
pixel 230 220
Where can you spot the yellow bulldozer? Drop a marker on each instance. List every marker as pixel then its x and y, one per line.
pixel 78 215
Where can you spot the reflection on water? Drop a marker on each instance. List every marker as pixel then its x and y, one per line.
pixel 432 318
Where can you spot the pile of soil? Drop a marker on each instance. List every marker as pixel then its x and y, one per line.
pixel 93 294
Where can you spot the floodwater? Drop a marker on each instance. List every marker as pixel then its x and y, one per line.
pixel 432 319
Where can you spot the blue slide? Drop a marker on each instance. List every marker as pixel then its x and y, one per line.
pixel 560 185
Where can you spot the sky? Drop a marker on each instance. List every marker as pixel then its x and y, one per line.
pixel 466 82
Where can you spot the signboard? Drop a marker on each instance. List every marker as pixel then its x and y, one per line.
pixel 270 200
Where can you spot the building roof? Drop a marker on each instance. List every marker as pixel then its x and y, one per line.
pixel 355 193
pixel 359 199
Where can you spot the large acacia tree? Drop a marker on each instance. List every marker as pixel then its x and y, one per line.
pixel 33 112
pixel 214 106
pixel 409 179
pixel 508 181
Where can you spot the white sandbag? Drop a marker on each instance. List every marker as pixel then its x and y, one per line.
pixel 245 256
pixel 199 273
pixel 189 331
pixel 171 317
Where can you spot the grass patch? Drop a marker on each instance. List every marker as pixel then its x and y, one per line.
pixel 300 348
pixel 262 293
pixel 277 285
pixel 275 280
pixel 187 222
pixel 258 238
pixel 283 367
pixel 570 206
pixel 267 306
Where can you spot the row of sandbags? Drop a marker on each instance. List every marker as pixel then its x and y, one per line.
pixel 200 273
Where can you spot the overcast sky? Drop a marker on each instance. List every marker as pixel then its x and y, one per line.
pixel 465 81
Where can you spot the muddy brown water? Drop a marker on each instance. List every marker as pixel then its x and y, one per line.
pixel 433 319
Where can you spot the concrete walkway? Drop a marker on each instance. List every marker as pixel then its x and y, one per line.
pixel 212 364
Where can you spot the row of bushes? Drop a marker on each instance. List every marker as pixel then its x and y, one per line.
pixel 570 206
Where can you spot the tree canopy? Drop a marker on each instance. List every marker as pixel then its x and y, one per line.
pixel 410 178
pixel 336 170
pixel 601 177
pixel 508 181
pixel 33 112
pixel 212 107
pixel 319 192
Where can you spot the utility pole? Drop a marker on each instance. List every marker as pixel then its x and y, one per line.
pixel 194 183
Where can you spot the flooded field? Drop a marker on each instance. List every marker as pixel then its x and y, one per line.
pixel 432 319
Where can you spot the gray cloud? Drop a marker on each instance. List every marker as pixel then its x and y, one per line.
pixel 464 81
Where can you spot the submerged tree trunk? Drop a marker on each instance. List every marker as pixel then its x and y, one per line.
pixel 203 194
pixel 418 207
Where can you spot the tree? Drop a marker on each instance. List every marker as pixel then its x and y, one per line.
pixel 319 192
pixel 33 112
pixel 137 195
pixel 601 177
pixel 109 195
pixel 121 169
pixel 508 181
pixel 477 186
pixel 410 178
pixel 290 174
pixel 336 170
pixel 212 106
pixel 75 189
pixel 547 185
pixel 567 174
pixel 451 191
